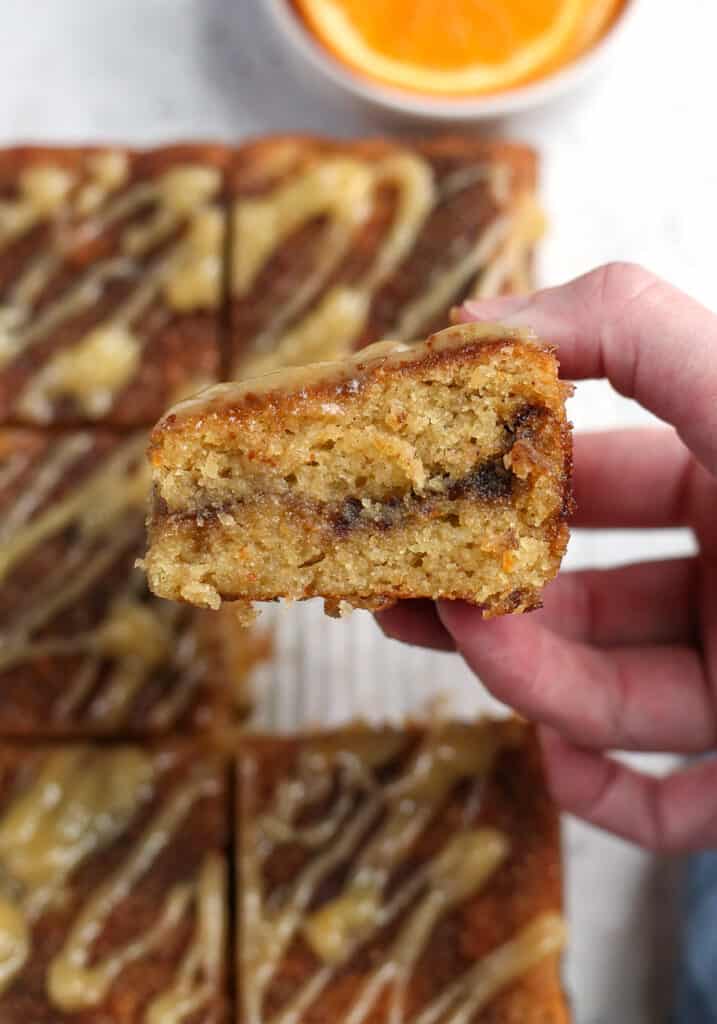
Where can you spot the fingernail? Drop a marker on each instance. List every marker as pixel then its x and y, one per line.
pixel 451 613
pixel 495 309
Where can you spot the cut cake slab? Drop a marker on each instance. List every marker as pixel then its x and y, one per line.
pixel 397 876
pixel 439 470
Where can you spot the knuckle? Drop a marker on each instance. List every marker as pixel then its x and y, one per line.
pixel 659 837
pixel 620 717
pixel 616 285
pixel 623 292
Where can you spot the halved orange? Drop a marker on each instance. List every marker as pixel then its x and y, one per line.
pixel 599 14
pixel 456 46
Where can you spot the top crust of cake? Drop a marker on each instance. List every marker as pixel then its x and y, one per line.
pixel 271 157
pixel 292 385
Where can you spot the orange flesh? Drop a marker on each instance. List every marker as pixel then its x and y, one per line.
pixel 450 35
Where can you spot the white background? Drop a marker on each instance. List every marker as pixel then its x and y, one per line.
pixel 629 172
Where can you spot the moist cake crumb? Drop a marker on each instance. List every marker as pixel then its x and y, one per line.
pixel 437 470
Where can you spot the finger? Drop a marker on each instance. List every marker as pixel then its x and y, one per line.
pixel 646 603
pixel 651 602
pixel 632 478
pixel 416 623
pixel 652 342
pixel 637 698
pixel 675 814
pixel 707 603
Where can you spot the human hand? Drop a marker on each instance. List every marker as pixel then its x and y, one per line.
pixel 626 658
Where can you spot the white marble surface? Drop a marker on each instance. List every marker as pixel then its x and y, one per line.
pixel 629 172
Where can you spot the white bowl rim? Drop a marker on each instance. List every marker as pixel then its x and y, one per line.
pixel 449 108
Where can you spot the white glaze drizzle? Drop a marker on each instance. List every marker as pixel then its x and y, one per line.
pixel 544 937
pixel 13 464
pixel 83 506
pixel 44 480
pixel 74 982
pixel 42 196
pixel 191 666
pixel 199 973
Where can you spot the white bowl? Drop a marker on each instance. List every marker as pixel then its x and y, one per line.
pixel 296 34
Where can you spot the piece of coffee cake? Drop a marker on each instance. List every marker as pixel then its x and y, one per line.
pixel 387 877
pixel 111 281
pixel 439 470
pixel 338 244
pixel 85 649
pixel 114 895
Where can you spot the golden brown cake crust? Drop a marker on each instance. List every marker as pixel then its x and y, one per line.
pixel 284 391
pixel 159 859
pixel 261 161
pixel 506 797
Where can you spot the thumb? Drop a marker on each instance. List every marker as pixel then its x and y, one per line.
pixel 651 341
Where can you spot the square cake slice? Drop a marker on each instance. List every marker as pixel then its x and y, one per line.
pixel 85 649
pixel 437 470
pixel 388 877
pixel 113 885
pixel 111 281
pixel 338 244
